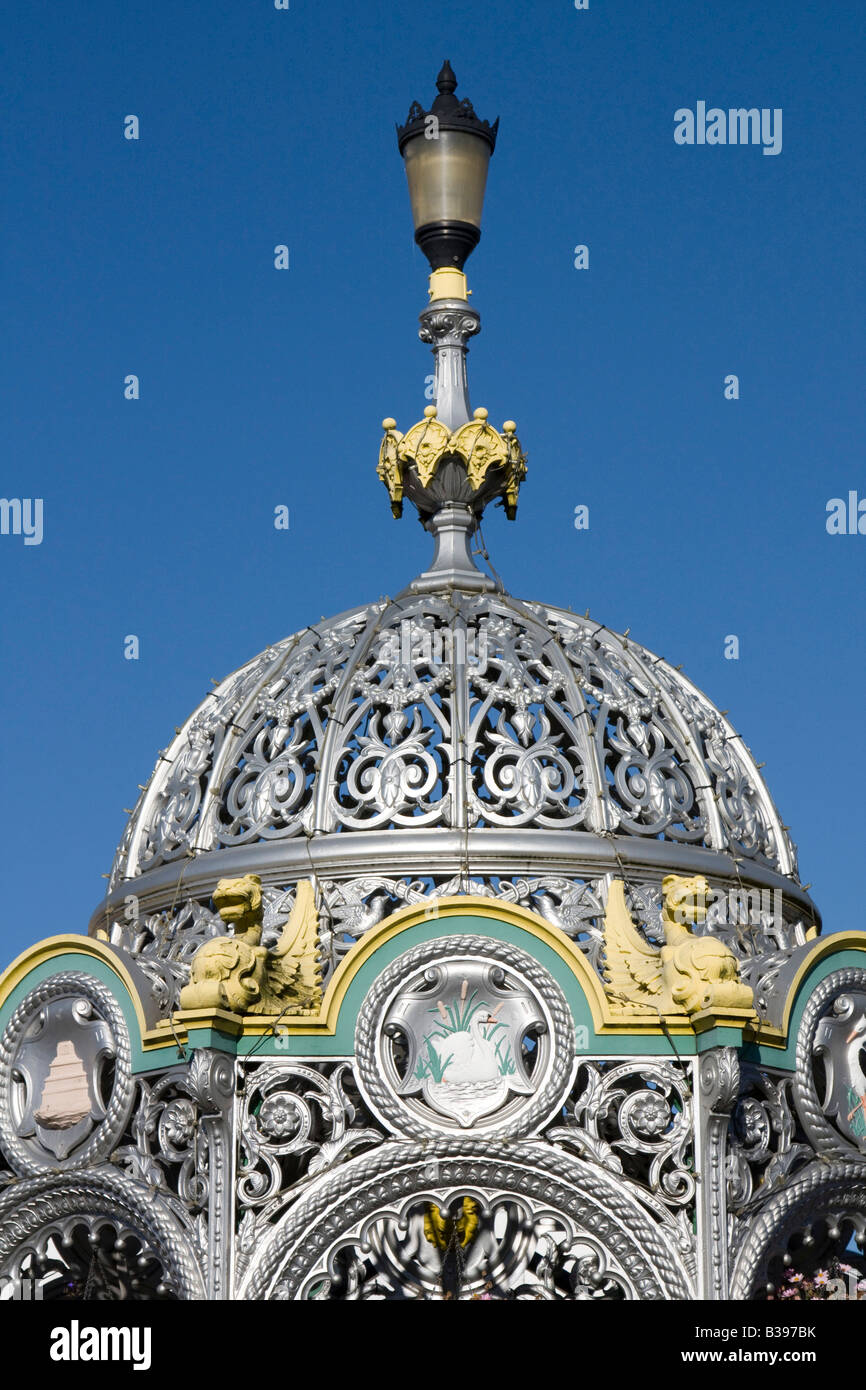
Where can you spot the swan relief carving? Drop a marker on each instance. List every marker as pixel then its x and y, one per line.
pixel 467 1056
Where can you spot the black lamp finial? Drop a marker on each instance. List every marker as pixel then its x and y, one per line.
pixel 446 82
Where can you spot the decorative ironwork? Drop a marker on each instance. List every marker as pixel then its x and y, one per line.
pixel 467 1145
pixel 763 1146
pixel 297 1122
pixel 566 1224
pixel 821 1213
pixel 65 1083
pixel 464 1033
pixel 448 711
pixel 830 1084
pixel 96 1234
pixel 165 942
pixel 180 1142
pixel 635 1119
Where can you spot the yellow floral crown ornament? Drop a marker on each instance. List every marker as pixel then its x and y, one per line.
pixel 432 465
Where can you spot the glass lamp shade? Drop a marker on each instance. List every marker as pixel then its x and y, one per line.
pixel 447 177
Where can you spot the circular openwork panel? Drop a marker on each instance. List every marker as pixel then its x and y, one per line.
pixel 65 1083
pixel 830 1081
pixel 464 1033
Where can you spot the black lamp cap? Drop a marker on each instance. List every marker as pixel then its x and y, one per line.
pixel 451 113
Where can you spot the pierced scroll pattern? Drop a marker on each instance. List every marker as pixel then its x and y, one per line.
pixel 650 781
pixel 635 1120
pixel 454 710
pixel 763 1148
pixel 265 793
pixel 297 1121
pixel 524 743
pixel 164 1147
pixel 176 811
pixel 741 807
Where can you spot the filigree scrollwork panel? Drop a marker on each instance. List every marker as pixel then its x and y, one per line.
pixel 393 763
pixel 296 1122
pixel 635 1119
pixel 179 1143
pixel 764 1142
pixel 523 736
pixel 171 811
pixel 168 1149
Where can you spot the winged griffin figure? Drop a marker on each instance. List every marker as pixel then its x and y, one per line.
pixel 238 973
pixel 688 975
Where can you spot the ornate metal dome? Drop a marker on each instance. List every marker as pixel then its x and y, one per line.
pixel 454 711
pixel 447 742
pixel 452 740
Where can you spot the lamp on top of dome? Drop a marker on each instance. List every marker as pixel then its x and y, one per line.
pixel 446 151
pixel 453 463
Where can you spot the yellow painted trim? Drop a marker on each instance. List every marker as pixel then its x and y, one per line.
pixel 185 1020
pixel 823 947
pixel 162 1036
pixel 470 905
pixel 70 943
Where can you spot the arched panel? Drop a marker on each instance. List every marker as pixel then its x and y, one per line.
pixel 814 1220
pixel 96 1234
pixel 463 1218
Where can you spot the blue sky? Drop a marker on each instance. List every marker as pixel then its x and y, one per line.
pixel 261 387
